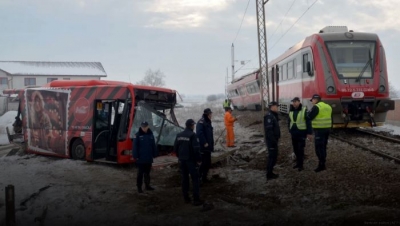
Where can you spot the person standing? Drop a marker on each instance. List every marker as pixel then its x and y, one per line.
pixel 144 150
pixel 204 131
pixel 321 121
pixel 272 135
pixel 229 121
pixel 188 152
pixel 299 128
pixel 226 104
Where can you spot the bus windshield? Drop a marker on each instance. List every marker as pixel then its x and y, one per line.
pixel 164 130
pixel 352 59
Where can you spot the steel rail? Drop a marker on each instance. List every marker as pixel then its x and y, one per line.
pixel 379 153
pixel 380 136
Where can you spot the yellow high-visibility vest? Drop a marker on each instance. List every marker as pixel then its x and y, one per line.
pixel 300 122
pixel 324 117
pixel 226 104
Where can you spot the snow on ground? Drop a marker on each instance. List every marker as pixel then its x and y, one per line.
pixel 394 130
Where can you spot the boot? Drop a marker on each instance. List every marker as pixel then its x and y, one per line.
pixel 320 168
pixel 139 189
pixel 149 188
pixel 187 199
pixel 272 176
pixel 197 202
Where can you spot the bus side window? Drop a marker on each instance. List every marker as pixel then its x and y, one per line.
pixel 124 124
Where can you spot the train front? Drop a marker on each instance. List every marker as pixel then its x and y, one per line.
pixel 355 78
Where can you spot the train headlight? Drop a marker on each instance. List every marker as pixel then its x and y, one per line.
pixel 333 105
pixel 331 89
pixel 382 88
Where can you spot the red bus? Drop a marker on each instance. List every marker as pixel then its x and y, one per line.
pixel 95 120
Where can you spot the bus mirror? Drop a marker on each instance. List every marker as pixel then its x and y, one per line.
pixel 309 71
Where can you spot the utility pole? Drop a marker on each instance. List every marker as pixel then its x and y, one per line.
pixel 262 54
pixel 233 61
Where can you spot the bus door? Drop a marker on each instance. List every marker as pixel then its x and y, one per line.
pixel 109 120
pixel 102 124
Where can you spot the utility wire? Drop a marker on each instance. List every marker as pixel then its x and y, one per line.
pixel 293 24
pixel 244 14
pixel 284 17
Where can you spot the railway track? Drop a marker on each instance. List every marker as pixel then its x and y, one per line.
pixel 383 146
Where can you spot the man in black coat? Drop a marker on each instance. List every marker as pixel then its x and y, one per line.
pixel 272 134
pixel 188 151
pixel 299 127
pixel 144 150
pixel 204 131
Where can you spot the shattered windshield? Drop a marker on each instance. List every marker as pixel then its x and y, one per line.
pixel 352 59
pixel 164 130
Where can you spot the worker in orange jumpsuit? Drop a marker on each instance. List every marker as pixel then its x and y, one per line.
pixel 229 121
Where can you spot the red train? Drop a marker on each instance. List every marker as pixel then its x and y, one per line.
pixel 348 69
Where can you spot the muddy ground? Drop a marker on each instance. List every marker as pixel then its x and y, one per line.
pixel 357 188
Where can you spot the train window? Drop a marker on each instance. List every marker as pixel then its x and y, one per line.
pixel 242 91
pixel 305 60
pixel 290 70
pixel 294 68
pixel 352 59
pixel 252 87
pixel 284 72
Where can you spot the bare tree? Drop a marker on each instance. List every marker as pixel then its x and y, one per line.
pixel 393 92
pixel 153 78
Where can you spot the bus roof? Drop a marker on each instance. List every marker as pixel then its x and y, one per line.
pixel 74 83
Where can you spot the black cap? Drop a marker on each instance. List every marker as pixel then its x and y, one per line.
pixel 207 111
pixel 295 99
pixel 273 103
pixel 316 96
pixel 190 122
pixel 144 124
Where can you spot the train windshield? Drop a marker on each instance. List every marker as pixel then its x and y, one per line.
pixel 352 59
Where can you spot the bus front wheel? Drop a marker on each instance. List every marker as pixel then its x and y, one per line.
pixel 78 150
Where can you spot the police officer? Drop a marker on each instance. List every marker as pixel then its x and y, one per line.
pixel 144 150
pixel 204 131
pixel 299 128
pixel 321 121
pixel 188 151
pixel 272 134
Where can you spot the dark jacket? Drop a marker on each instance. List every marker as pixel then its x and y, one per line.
pixel 271 127
pixel 187 146
pixel 144 147
pixel 294 130
pixel 204 131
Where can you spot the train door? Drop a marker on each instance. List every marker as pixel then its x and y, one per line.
pixel 276 79
pixel 272 77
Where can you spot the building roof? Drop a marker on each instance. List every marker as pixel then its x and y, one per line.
pixel 53 68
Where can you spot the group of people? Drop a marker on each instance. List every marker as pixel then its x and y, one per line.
pixel 194 148
pixel 301 125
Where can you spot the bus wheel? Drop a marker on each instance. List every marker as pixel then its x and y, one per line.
pixel 78 150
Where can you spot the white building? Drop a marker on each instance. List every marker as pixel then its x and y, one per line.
pixel 19 74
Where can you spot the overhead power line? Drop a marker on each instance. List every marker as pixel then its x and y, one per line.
pixel 280 23
pixel 293 24
pixel 244 14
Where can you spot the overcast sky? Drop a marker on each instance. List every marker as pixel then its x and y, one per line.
pixel 188 40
